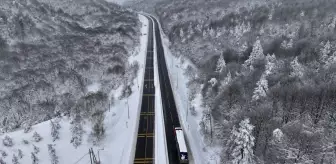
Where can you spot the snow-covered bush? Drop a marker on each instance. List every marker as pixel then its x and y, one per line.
pixel 7 141
pixel 37 137
pixel 3 153
pixel 24 141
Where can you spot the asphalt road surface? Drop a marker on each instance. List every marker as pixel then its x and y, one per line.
pixel 169 109
pixel 144 152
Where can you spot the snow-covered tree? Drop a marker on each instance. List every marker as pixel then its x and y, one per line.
pixel 2 161
pixel 52 154
pixel 242 48
pixel 243 139
pixel 34 159
pixel 7 141
pixel 220 64
pixel 227 79
pixel 26 142
pixel 256 54
pixel 278 134
pixel 36 149
pixel 324 52
pixel 270 64
pixel 15 159
pixel 287 45
pixel 297 68
pixel 261 89
pixel 3 154
pixel 55 126
pixel 331 60
pixel 37 137
pixel 20 154
pixel 77 132
pixel 213 81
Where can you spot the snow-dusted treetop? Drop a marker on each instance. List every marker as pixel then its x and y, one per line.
pixel 256 54
pixel 261 89
pixel 220 64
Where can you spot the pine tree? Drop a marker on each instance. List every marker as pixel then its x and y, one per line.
pixel 20 154
pixel 7 141
pixel 55 126
pixel 242 152
pixel 256 54
pixel 77 132
pixel 297 68
pixel 34 158
pixel 220 64
pixel 15 159
pixel 2 161
pixel 261 89
pixel 325 51
pixel 37 137
pixel 270 64
pixel 36 149
pixel 331 60
pixel 52 154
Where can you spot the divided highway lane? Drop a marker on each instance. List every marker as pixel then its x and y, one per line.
pixel 168 103
pixel 144 153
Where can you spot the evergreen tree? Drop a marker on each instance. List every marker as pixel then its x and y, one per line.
pixel 55 126
pixel 34 158
pixel 331 60
pixel 20 154
pixel 2 161
pixel 77 132
pixel 52 154
pixel 297 68
pixel 220 64
pixel 256 55
pixel 7 141
pixel 261 89
pixel 15 159
pixel 324 53
pixel 270 64
pixel 37 137
pixel 242 152
pixel 36 149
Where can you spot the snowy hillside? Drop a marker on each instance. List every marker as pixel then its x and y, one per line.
pixel 266 70
pixel 68 139
pixel 53 53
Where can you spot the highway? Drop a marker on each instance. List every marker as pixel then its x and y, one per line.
pixel 144 153
pixel 168 103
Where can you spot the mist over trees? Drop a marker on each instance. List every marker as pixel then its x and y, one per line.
pixel 280 74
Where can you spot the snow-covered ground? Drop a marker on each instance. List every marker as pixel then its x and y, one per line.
pixel 200 152
pixel 121 127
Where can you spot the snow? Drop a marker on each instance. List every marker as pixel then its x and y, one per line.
pixel 180 140
pixel 94 87
pixel 198 150
pixel 120 135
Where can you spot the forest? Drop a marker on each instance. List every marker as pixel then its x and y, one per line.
pixel 267 73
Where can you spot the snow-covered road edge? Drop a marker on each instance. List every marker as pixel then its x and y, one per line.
pixel 143 50
pixel 161 154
